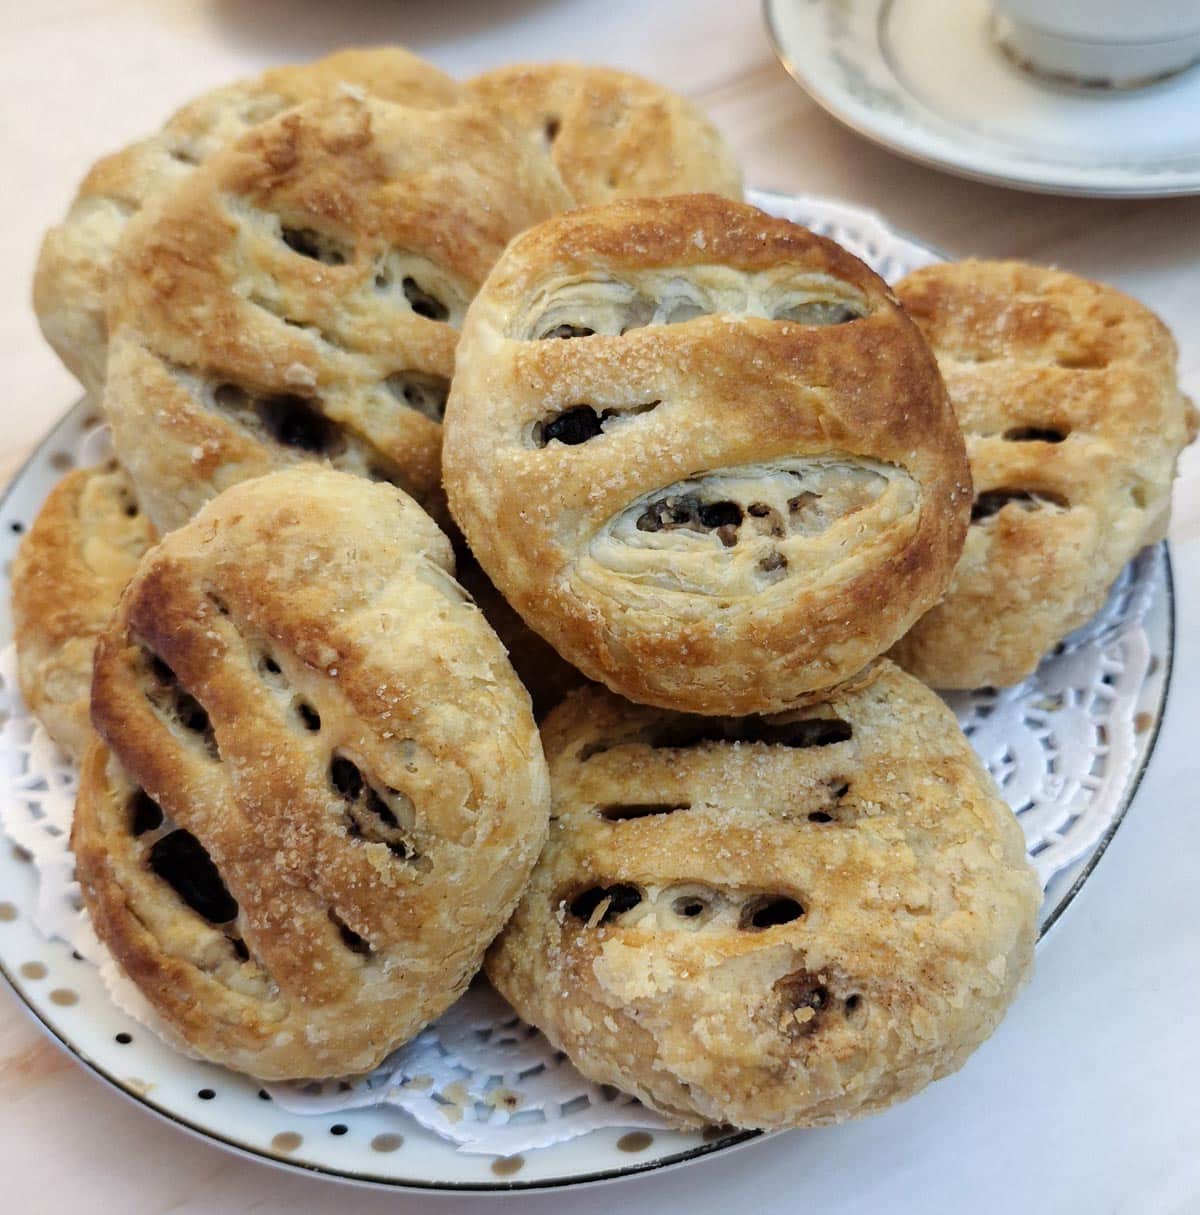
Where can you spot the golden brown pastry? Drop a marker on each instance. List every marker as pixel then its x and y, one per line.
pixel 770 922
pixel 320 790
pixel 75 264
pixel 68 575
pixel 1066 390
pixel 612 134
pixel 703 452
pixel 546 676
pixel 299 297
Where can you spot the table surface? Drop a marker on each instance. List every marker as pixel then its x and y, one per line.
pixel 1087 1099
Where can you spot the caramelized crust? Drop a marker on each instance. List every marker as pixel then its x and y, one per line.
pixel 320 788
pixel 703 452
pixel 611 134
pixel 1066 390
pixel 770 922
pixel 298 297
pixel 75 263
pixel 68 575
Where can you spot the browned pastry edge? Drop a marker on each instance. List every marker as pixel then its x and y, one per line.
pixel 67 577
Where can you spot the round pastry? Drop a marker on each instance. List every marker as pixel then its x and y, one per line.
pixel 299 297
pixel 770 922
pixel 68 575
pixel 1067 393
pixel 612 134
pixel 703 452
pixel 75 263
pixel 320 789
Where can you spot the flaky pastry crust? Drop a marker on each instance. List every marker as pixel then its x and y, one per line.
pixel 1066 391
pixel 320 788
pixel 546 675
pixel 703 452
pixel 75 263
pixel 68 575
pixel 770 922
pixel 612 134
pixel 298 297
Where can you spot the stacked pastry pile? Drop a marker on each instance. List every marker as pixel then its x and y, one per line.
pixel 698 455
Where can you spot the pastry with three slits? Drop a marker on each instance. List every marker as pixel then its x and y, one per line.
pixel 1067 392
pixel 770 921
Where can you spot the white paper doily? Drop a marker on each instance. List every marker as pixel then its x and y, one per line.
pixel 479 1090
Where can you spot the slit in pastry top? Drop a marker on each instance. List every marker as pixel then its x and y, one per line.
pixel 738 531
pixel 585 306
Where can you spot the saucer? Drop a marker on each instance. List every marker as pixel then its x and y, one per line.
pixel 926 79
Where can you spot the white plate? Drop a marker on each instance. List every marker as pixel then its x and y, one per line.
pixel 1068 748
pixel 924 78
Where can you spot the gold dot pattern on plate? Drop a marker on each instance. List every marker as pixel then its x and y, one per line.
pixel 287 1141
pixel 8 912
pixel 62 460
pixel 635 1141
pixel 33 970
pixel 22 854
pixel 386 1143
pixel 505 1166
pixel 64 997
pixel 1142 722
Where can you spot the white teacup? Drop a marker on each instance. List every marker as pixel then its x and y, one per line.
pixel 1102 43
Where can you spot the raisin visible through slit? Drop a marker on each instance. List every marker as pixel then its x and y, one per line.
pixel 993 501
pixel 422 303
pixel 686 511
pixel 568 331
pixel 178 705
pixel 351 939
pixel 820 312
pixel 583 422
pixel 288 419
pixel 769 911
pixel 835 790
pixel 425 393
pixel 145 814
pixel 804 998
pixel 618 899
pixel 368 815
pixel 307 242
pixel 696 731
pixel 182 862
pixel 1034 434
pixel 295 422
pixel 621 811
pixel 346 777
pixel 572 427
